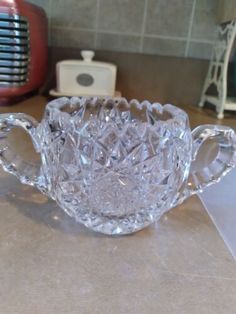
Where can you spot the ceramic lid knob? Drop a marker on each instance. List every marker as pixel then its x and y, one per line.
pixel 87 55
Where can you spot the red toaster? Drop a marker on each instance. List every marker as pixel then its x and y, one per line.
pixel 23 49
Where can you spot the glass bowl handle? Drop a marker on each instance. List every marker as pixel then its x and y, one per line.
pixel 221 140
pixel 11 161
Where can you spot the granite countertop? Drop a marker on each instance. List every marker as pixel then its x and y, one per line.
pixel 50 264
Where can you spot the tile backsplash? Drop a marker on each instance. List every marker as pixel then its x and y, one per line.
pixel 184 28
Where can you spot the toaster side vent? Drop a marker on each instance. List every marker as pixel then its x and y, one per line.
pixel 14 50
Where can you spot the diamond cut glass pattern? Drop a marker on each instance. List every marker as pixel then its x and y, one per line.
pixel 113 171
pixel 117 166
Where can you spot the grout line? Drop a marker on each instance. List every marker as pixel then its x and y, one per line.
pixel 199 40
pixel 119 33
pixel 92 30
pixel 143 26
pixel 190 28
pixel 96 31
pixel 96 24
pixel 166 37
pixel 84 29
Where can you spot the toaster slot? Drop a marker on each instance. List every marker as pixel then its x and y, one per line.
pixel 13 48
pixel 15 33
pixel 13 70
pixel 13 56
pixel 12 25
pixel 12 16
pixel 10 78
pixel 13 41
pixel 13 63
pixel 11 84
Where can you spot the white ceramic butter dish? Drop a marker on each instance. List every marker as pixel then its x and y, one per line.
pixel 85 77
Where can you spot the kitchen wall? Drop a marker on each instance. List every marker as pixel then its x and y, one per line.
pixel 226 11
pixel 182 28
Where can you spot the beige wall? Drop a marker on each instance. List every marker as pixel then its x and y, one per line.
pixel 183 28
pixel 226 11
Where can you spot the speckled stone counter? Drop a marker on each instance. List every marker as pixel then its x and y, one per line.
pixel 50 264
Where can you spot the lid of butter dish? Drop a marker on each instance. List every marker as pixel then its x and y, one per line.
pixel 86 77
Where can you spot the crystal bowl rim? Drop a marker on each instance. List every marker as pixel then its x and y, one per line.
pixel 177 113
